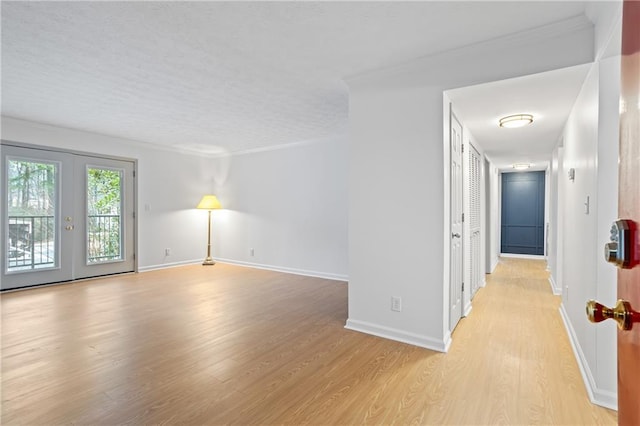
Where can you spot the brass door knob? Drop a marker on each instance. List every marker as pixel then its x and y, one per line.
pixel 621 313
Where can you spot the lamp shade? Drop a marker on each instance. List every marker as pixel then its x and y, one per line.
pixel 209 202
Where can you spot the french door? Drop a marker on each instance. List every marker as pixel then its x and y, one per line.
pixel 64 216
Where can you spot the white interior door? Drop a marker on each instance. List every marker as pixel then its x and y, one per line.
pixel 64 216
pixel 456 274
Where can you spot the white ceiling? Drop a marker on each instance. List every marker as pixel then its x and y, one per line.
pixel 548 96
pixel 231 76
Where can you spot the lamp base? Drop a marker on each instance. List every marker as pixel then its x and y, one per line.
pixel 208 262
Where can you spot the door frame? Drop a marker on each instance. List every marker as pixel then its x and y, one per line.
pixel 134 220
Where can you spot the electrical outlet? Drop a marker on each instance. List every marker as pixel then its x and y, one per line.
pixel 252 252
pixel 167 252
pixel 396 303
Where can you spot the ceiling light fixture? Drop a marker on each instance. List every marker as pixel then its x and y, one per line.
pixel 517 120
pixel 521 166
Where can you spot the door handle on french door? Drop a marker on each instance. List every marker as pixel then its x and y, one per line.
pixel 622 313
pixel 456 235
pixel 69 227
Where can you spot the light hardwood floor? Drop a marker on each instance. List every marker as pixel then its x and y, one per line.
pixel 232 345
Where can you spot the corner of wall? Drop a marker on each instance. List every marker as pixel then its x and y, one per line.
pixel 555 288
pixel 415 339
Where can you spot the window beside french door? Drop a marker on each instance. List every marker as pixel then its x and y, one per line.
pixel 65 216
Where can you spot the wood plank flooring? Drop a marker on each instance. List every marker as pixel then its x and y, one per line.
pixel 232 345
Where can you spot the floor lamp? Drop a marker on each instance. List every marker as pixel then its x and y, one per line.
pixel 209 202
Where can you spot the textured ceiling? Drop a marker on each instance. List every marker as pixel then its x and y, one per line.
pixel 225 76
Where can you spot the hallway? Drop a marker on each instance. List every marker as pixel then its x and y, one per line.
pixel 196 345
pixel 515 350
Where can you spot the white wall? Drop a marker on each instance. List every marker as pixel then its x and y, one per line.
pixel 590 142
pixel 288 204
pixel 493 216
pixel 395 240
pixel 399 151
pixel 547 211
pixel 590 147
pixel 553 239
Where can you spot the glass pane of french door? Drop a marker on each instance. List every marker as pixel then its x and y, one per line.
pixel 65 216
pixel 33 205
pixel 104 215
pixel 31 209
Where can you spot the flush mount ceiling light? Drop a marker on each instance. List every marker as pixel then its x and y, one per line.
pixel 517 120
pixel 521 166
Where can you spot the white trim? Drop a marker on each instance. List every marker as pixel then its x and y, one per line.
pixel 18 144
pixel 153 146
pixel 419 340
pixel 295 271
pixel 168 265
pixel 447 341
pixel 554 288
pixel 523 256
pixel 483 283
pixel 467 309
pixel 276 147
pixel 304 272
pixel 597 396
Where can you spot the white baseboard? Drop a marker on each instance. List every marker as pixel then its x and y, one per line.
pixel 467 310
pixel 168 265
pixel 400 335
pixel 523 256
pixel 304 272
pixel 554 287
pixel 325 275
pixel 597 396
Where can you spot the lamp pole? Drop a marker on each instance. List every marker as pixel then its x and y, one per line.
pixel 209 260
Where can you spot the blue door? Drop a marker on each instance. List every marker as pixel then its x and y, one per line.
pixel 523 213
